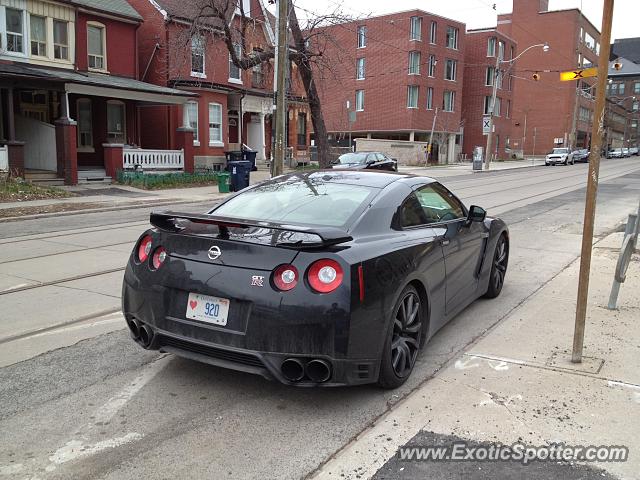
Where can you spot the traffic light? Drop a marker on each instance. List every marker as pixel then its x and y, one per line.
pixel 536 77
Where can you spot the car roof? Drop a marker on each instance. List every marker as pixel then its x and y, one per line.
pixel 368 178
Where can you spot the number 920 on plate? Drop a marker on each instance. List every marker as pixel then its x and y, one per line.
pixel 205 308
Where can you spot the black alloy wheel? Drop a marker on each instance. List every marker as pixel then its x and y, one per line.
pixel 498 268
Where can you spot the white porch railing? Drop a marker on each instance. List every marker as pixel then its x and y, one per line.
pixel 4 159
pixel 152 159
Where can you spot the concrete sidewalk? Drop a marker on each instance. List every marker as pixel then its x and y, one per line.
pixel 517 384
pixel 467 167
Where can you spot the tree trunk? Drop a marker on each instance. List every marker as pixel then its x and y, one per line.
pixel 306 73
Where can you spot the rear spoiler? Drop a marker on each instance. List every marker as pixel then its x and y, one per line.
pixel 170 222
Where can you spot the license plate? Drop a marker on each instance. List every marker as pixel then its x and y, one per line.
pixel 208 309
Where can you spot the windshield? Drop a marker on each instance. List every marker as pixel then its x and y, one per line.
pixel 351 158
pixel 560 150
pixel 299 200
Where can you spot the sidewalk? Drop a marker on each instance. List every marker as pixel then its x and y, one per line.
pixel 517 384
pixel 467 167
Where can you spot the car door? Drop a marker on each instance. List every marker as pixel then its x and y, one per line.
pixel 462 242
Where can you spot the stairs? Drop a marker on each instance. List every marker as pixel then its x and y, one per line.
pixel 43 178
pixel 93 176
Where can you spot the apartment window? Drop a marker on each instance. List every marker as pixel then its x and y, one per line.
pixel 414 63
pixel 487 105
pixel 85 125
pixel 60 40
pixel 491 47
pixel 234 71
pixel 362 36
pixel 490 76
pixel 449 101
pixel 589 41
pixel 197 56
pixel 430 98
pixel 512 53
pixel 412 96
pixel 621 89
pixel 498 107
pixel 15 30
pixel 585 114
pixel 360 68
pixel 508 112
pixel 433 33
pixel 359 100
pixel 192 111
pixel 501 47
pixel 96 47
pixel 115 121
pixel 302 129
pixel 452 38
pixel 38 35
pixel 215 124
pixel 416 28
pixel 432 65
pixel 636 87
pixel 635 107
pixel 450 70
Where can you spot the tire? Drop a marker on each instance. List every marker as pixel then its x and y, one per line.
pixel 404 339
pixel 546 164
pixel 499 265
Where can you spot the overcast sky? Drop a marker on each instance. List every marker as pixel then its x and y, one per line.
pixel 480 13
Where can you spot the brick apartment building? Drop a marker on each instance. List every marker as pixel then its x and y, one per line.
pixel 623 94
pixel 555 113
pixel 398 72
pixel 482 48
pixel 233 107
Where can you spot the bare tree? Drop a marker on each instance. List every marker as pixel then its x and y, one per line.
pixel 227 24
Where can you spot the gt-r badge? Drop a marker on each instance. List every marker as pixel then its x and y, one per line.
pixel 257 281
pixel 214 252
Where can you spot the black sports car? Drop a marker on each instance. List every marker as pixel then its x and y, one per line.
pixel 366 161
pixel 325 278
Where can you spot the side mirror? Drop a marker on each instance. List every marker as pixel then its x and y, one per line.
pixel 476 214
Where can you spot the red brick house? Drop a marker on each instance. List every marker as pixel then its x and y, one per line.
pixel 396 73
pixel 482 48
pixel 70 96
pixel 233 107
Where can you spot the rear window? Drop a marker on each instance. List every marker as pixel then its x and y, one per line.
pixel 351 158
pixel 299 201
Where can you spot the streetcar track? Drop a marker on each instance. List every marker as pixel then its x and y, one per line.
pixel 62 280
pixel 79 250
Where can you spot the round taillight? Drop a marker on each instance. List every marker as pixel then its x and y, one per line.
pixel 325 276
pixel 285 277
pixel 144 248
pixel 159 256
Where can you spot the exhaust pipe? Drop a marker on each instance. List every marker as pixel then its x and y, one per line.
pixel 146 335
pixel 292 370
pixel 318 371
pixel 134 328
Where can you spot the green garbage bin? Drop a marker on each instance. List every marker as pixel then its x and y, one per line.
pixel 224 182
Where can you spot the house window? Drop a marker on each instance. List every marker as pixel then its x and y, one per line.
pixel 416 28
pixel 215 124
pixel 501 48
pixel 362 37
pixel 360 68
pixel 433 33
pixel 38 36
pixel 96 47
pixel 257 79
pixel 448 101
pixel 359 100
pixel 302 130
pixel 487 105
pixel 197 56
pixel 192 111
pixel 115 121
pixel 490 76
pixel 430 98
pixel 15 30
pixel 414 63
pixel 450 70
pixel 60 40
pixel 412 96
pixel 452 38
pixel 432 65
pixel 234 70
pixel 635 107
pixel 85 125
pixel 636 87
pixel 491 47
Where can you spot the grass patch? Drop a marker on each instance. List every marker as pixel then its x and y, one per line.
pixel 150 181
pixel 17 190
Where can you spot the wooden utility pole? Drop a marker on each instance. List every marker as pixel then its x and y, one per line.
pixel 282 66
pixel 592 183
pixel 496 78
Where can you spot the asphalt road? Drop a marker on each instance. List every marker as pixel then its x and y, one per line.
pixel 78 399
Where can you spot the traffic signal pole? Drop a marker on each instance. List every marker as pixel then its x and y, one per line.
pixel 592 184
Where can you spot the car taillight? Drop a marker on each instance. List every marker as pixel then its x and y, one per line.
pixel 144 248
pixel 324 276
pixel 159 256
pixel 285 277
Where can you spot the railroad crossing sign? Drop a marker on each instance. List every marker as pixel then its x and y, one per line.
pixel 578 74
pixel 486 124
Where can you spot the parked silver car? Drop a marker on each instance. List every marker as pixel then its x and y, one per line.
pixel 562 156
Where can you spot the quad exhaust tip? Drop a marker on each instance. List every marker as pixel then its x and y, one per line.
pixel 146 335
pixel 134 328
pixel 318 371
pixel 292 369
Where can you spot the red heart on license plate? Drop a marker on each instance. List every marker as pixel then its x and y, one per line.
pixel 193 304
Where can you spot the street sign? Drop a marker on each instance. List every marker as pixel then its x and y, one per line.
pixel 486 124
pixel 578 74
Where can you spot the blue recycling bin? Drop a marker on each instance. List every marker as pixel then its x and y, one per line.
pixel 240 172
pixel 250 156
